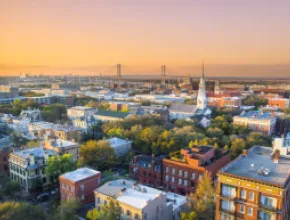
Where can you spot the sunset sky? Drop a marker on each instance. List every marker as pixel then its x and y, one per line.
pixel 248 37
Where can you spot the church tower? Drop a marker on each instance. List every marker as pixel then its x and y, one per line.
pixel 217 88
pixel 201 98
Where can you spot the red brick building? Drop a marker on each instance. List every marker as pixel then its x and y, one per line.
pixel 182 172
pixel 225 98
pixel 5 150
pixel 279 102
pixel 80 184
pixel 147 170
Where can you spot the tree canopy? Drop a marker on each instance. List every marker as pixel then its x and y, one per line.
pixel 111 211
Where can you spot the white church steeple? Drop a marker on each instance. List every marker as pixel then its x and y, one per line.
pixel 201 98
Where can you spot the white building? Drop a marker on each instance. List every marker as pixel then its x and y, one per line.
pixel 185 111
pixel 80 112
pixel 283 145
pixel 120 146
pixel 28 167
pixel 140 202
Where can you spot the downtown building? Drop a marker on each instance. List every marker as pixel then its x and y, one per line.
pixel 254 186
pixel 264 122
pixel 140 202
pixel 180 173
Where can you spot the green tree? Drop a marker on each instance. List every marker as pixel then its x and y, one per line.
pixel 237 147
pixel 97 153
pixel 20 210
pixel 201 204
pixel 67 210
pixel 54 112
pixel 58 165
pixel 111 211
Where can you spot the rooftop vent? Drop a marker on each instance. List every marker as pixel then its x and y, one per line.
pixel 124 183
pixel 266 172
pixel 144 190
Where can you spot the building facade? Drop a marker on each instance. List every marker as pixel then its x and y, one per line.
pixel 80 184
pixel 182 172
pixel 264 122
pixel 254 186
pixel 140 202
pixel 147 170
pixel 28 168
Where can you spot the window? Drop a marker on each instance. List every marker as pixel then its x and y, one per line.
pixel 128 212
pixel 179 181
pixel 172 179
pixel 185 174
pixel 227 205
pixel 83 197
pixel 136 216
pixel 185 183
pixel 82 187
pixel 242 208
pixel 250 211
pixel 180 172
pixel 243 194
pixel 199 176
pixel 173 171
pixel 225 216
pixel 98 200
pixel 264 216
pixel 105 202
pixel 62 185
pixel 166 169
pixel 252 196
pixel 228 191
pixel 268 201
pixel 193 176
pixel 166 177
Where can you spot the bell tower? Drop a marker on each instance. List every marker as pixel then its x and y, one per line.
pixel 201 98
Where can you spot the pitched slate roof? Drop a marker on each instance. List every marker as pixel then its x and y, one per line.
pixel 183 108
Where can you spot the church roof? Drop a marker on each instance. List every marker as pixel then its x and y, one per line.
pixel 183 108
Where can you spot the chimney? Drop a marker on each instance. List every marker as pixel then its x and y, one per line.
pixel 245 152
pixel 276 156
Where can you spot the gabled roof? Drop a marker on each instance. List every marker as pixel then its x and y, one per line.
pixel 183 108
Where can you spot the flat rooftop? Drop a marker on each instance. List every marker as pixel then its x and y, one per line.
pixel 116 142
pixel 80 174
pixel 126 192
pixel 260 158
pixel 36 151
pixel 60 143
pixel 256 115
pixel 176 200
pixel 81 108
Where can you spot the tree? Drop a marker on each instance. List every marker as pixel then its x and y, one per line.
pixel 237 147
pixel 201 204
pixel 58 165
pixel 67 210
pixel 54 112
pixel 189 216
pixel 11 188
pixel 111 211
pixel 33 143
pixel 287 111
pixel 19 211
pixel 97 153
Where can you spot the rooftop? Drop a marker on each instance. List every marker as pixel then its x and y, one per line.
pixel 257 160
pixel 128 192
pixel 60 143
pixel 36 151
pixel 116 142
pixel 112 114
pixel 80 174
pixel 175 199
pixel 81 108
pixel 257 115
pixel 184 108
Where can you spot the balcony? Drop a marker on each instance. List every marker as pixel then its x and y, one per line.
pixel 229 211
pixel 266 208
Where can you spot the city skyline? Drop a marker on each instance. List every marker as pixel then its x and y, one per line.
pixel 234 38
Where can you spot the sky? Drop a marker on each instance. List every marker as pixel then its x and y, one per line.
pixel 233 37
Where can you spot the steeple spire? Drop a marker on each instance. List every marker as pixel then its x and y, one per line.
pixel 202 69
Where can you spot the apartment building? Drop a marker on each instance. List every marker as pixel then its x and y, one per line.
pixel 147 170
pixel 63 147
pixel 5 149
pixel 80 112
pixel 254 186
pixel 121 147
pixel 28 168
pixel 264 122
pixel 80 184
pixel 282 144
pixel 182 171
pixel 279 102
pixel 140 202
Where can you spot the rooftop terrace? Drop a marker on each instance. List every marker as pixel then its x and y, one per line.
pixel 80 174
